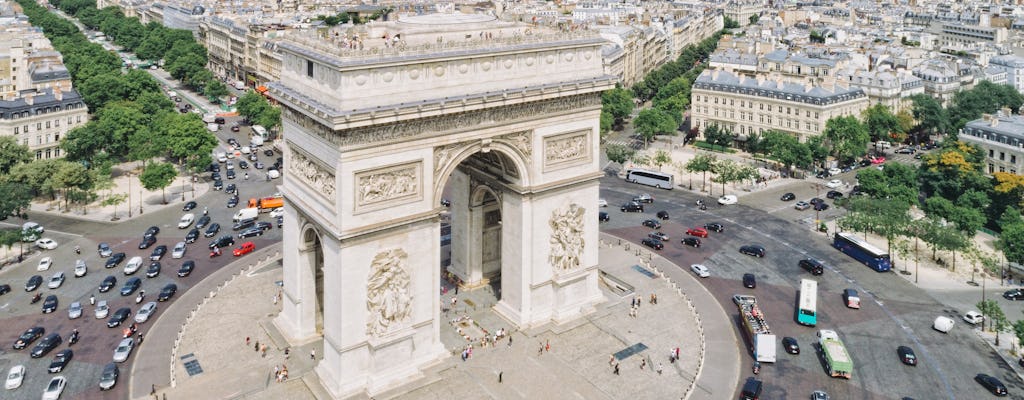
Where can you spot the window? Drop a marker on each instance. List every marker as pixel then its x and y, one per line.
pixel 39 154
pixel 309 68
pixel 762 106
pixel 69 120
pixel 78 119
pixel 17 129
pixel 56 137
pixel 56 122
pixel 991 168
pixel 1002 169
pixel 991 153
pixel 47 124
pixel 1013 159
pixel 39 139
pixel 1002 156
pixel 39 126
pixel 56 151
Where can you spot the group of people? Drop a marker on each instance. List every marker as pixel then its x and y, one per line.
pixel 281 373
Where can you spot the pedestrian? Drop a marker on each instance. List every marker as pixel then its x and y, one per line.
pixel 277 373
pixel 510 341
pixel 257 346
pixel 677 353
pixel 611 359
pixel 92 300
pixel 263 349
pixel 275 299
pixel 659 368
pixel 152 390
pixel 312 354
pixel 246 340
pixel 499 376
pixel 547 345
pixel 643 363
pixel 616 371
pixel 286 349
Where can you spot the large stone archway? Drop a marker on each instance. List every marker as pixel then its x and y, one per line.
pixel 370 142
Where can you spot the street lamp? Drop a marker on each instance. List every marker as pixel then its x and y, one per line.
pixel 182 188
pixel 129 175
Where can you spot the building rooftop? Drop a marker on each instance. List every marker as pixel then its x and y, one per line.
pixel 1008 128
pixel 778 89
pixel 40 101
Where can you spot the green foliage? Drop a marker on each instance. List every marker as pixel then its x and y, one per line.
pixel 215 89
pixel 719 136
pixel 847 136
pixel 897 182
pixel 619 153
pixel 754 18
pixel 985 97
pixel 607 121
pixel 158 176
pixel 881 123
pixel 689 65
pixel 1010 242
pixel 786 149
pixel 12 154
pixel 930 115
pixel 661 157
pixel 731 23
pixel 702 163
pixel 652 122
pixel 618 102
pixel 16 199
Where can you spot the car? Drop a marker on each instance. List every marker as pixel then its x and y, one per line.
pixel 44 264
pixel 907 355
pixel 258 165
pixel 277 212
pixel 801 205
pixel 107 284
pixel 104 250
pixel 242 164
pixel 234 128
pixel 658 235
pixel 268 153
pixel 835 183
pixel 48 343
pixel 632 207
pixel 602 203
pixel 212 230
pixel 60 361
pixel 202 222
pixel 273 173
pixel 222 242
pixel 218 184
pixel 254 231
pixel 752 250
pixel 145 312
pixel 153 270
pixel 877 160
pixel 50 304
pixel 905 150
pixel 232 202
pixel 816 200
pixel 652 243
pixel 102 309
pixel 690 241
pixel 265 226
pixel 1014 294
pixel 124 349
pixel 179 250
pixel 714 226
pixel 601 217
pixel 790 345
pixel 788 197
pixel 813 266
pixel 119 316
pixel 75 310
pixel 749 281
pixel 727 200
pixel 233 142
pixel 14 377
pixel 108 378
pixel 700 270
pixel 973 317
pixel 246 150
pixel 821 206
pixel 189 206
pixel 663 215
pixel 46 244
pixel 114 260
pixel 30 335
pixel 186 268
pixel 244 249
pixel 133 265
pixel 231 188
pixel 186 220
pixel 243 224
pixel 834 171
pixel 55 388
pixel 167 291
pixel 230 165
pixel 698 232
pixel 643 198
pixel 230 173
pixel 5 288
pixel 652 223
pixel 130 286
pixel 152 231
pixel 80 268
pixel 191 237
pixel 146 242
pixel 819 395
pixel 56 280
pixel 158 253
pixel 832 194
pixel 33 283
pixel 918 156
pixel 992 384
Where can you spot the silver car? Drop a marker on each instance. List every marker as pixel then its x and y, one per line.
pixel 124 349
pixel 109 377
pixel 133 265
pixel 102 310
pixel 75 310
pixel 145 312
pixel 179 250
pixel 56 280
pixel 80 268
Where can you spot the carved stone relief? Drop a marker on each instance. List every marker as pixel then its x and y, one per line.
pixel 566 149
pixel 311 173
pixel 521 141
pixel 566 238
pixel 381 187
pixel 443 155
pixel 388 295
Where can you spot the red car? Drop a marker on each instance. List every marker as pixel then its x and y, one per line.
pixel 876 160
pixel 244 249
pixel 698 232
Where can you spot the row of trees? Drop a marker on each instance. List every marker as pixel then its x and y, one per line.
pixel 345 17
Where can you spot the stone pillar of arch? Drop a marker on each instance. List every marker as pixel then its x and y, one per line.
pixel 298 318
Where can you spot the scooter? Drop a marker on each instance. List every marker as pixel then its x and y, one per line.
pixel 73 338
pixel 36 298
pixel 757 367
pixel 703 207
pixel 215 252
pixel 142 295
pixel 129 331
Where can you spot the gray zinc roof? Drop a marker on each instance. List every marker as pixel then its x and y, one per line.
pixel 789 91
pixel 41 102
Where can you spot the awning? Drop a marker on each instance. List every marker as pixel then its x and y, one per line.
pixel 261 89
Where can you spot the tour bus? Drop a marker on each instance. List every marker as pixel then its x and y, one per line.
pixel 657 179
pixel 807 313
pixel 860 250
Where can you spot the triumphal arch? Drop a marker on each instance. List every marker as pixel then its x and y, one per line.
pixel 384 123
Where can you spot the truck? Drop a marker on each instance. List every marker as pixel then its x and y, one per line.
pixel 756 327
pixel 267 204
pixel 246 213
pixel 837 360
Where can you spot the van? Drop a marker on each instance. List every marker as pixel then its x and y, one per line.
pixel 851 298
pixel 259 131
pixel 751 390
pixel 212 127
pixel 813 266
pixel 256 141
pixel 209 118
pixel 246 213
pixel 943 324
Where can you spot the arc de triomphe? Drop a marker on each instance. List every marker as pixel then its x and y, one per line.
pixel 505 115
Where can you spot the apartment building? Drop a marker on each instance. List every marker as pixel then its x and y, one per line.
pixel 642 50
pixel 754 105
pixel 884 86
pixel 943 78
pixel 1001 139
pixel 40 118
pixel 1014 68
pixel 957 35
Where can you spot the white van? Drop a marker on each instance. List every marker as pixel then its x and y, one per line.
pixel 213 127
pixel 943 324
pixel 209 118
pixel 246 213
pixel 259 131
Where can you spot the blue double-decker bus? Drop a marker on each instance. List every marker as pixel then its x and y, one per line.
pixel 862 251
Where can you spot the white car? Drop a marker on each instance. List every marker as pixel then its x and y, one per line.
pixel 102 309
pixel 277 212
pixel 273 174
pixel 700 270
pixel 145 312
pixel 80 268
pixel 833 184
pixel 727 200
pixel 133 265
pixel 602 203
pixel 56 280
pixel 179 250
pixel 834 171
pixel 246 150
pixel 55 388
pixel 46 243
pixel 45 263
pixel 974 317
pixel 75 310
pixel 124 349
pixel 14 377
pixel 222 157
pixel 186 221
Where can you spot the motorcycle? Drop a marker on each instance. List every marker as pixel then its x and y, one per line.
pixel 74 338
pixel 36 298
pixel 129 331
pixel 215 252
pixel 757 367
pixel 140 297
pixel 703 207
pixel 700 203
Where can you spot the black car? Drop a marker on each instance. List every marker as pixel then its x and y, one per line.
pixel 153 270
pixel 714 226
pixel 146 242
pixel 203 221
pixel 1014 294
pixel 218 184
pixel 280 220
pixel 192 235
pixel 788 197
pixel 268 153
pixel 632 207
pixel 4 289
pixel 30 335
pixel 907 355
pixel 813 266
pixel 230 174
pixel 690 241
pixel 243 165
pixel 130 286
pixel 816 200
pixel 663 215
pixel 643 198
pixel 833 194
pixel 119 316
pixel 215 176
pixel 601 217
pixel 790 345
pixel 258 165
pixel 167 292
pixel 158 252
pixel 108 283
pixel 231 188
pixel 248 233
pixel 651 223
pixel 233 202
pixel 50 304
pixel 60 361
pixel 44 346
pixel 214 167
pixel 223 242
pixel 752 250
pixel 749 281
pixel 652 243
pixel 152 231
pixel 212 230
pixel 992 384
pixel 189 206
pixel 263 225
pixel 33 283
pixel 243 224
pixel 115 260
pixel 821 206
pixel 186 268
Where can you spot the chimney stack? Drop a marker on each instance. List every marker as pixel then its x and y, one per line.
pixel 57 94
pixel 29 98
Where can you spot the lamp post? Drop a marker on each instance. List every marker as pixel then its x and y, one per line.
pixel 182 188
pixel 129 174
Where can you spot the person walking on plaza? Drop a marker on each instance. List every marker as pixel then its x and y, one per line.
pixel 312 354
pixel 92 300
pixel 659 368
pixel 616 370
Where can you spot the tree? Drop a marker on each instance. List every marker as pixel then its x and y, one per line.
pixel 719 136
pixel 114 200
pixel 754 18
pixel 994 316
pixel 847 136
pixel 251 105
pixel 661 157
pixel 12 153
pixel 607 121
pixel 16 199
pixel 703 163
pixel 931 116
pixel 618 102
pixel 652 122
pixel 1009 242
pixel 619 153
pixel 71 178
pixel 897 182
pixel 880 122
pixel 158 175
pixel 731 23
pixel 215 90
pixel 786 149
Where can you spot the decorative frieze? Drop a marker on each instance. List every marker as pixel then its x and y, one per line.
pixel 388 292
pixel 382 187
pixel 567 238
pixel 566 149
pixel 311 173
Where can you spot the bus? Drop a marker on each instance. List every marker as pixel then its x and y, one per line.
pixel 657 179
pixel 862 251
pixel 807 313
